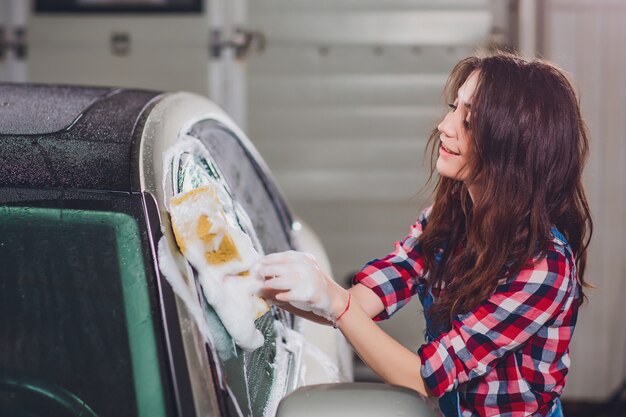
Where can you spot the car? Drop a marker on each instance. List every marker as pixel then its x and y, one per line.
pixel 93 324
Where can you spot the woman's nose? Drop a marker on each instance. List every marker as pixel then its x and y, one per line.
pixel 445 126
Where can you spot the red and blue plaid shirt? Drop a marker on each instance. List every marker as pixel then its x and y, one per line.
pixel 510 354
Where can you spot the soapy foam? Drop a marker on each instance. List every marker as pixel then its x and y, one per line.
pixel 208 226
pixel 219 250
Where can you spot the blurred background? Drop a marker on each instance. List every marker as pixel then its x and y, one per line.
pixel 339 96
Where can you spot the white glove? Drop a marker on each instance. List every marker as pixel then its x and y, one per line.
pixel 302 283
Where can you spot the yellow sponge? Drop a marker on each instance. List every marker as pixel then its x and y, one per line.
pixel 208 235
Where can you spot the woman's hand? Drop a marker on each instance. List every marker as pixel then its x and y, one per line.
pixel 296 278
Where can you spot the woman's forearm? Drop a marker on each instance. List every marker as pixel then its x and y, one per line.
pixel 390 360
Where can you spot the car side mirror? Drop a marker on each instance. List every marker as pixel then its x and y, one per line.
pixel 361 399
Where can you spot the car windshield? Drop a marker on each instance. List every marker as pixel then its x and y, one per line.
pixel 76 329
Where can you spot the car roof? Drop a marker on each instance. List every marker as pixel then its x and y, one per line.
pixel 60 136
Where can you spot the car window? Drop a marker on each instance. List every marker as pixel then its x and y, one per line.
pixel 252 377
pixel 76 322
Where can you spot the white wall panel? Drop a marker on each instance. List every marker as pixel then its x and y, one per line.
pixel 349 154
pixel 292 123
pixel 346 89
pixel 350 59
pixel 167 52
pixel 587 39
pixel 381 27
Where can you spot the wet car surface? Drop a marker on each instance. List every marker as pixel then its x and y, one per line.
pixel 89 324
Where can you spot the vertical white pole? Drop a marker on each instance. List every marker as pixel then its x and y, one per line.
pixel 228 57
pixel 18 10
pixel 227 74
pixel 238 78
pixel 3 25
pixel 528 28
pixel 216 74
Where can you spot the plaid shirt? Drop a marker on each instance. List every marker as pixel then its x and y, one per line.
pixel 510 354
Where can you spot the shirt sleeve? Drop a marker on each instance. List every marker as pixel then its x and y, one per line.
pixel 516 311
pixel 393 278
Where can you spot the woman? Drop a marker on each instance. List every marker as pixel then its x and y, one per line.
pixel 497 260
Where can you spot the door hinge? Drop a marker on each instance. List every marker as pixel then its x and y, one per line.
pixel 243 42
pixel 13 40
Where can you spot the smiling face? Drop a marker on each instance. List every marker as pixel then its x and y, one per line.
pixel 455 149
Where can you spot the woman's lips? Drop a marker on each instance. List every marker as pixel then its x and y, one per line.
pixel 446 151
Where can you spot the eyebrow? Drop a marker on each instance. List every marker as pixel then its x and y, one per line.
pixel 467 105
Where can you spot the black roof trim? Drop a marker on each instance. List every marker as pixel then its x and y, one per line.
pixel 93 151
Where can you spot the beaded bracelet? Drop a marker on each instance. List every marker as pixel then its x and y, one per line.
pixel 345 310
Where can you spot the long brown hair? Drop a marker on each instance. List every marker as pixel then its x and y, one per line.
pixel 529 148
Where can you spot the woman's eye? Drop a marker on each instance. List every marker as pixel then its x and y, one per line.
pixel 452 106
